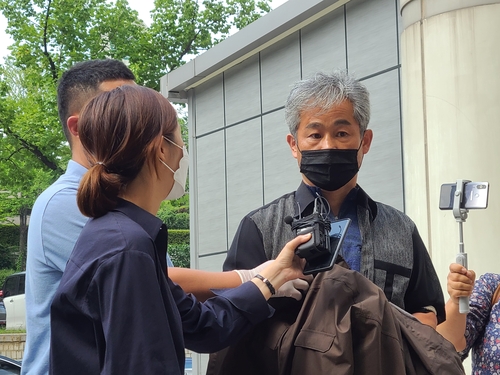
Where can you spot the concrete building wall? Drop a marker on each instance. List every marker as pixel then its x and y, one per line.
pixel 237 127
pixel 431 69
pixel 450 65
pixel 240 158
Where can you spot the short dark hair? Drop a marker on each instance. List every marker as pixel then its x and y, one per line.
pixel 81 82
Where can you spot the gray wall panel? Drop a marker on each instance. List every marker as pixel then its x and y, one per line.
pixel 242 85
pixel 281 172
pixel 280 66
pixel 212 262
pixel 382 171
pixel 323 44
pixel 211 193
pixel 249 164
pixel 209 106
pixel 371 36
pixel 244 172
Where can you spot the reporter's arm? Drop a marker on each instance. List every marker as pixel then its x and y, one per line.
pixel 429 318
pixel 453 328
pixel 200 282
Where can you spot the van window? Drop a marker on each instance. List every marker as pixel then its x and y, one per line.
pixel 21 284
pixel 10 286
pixel 14 285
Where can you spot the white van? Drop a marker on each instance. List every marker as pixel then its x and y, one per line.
pixel 14 301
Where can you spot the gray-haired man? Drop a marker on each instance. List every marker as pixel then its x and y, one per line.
pixel 328 116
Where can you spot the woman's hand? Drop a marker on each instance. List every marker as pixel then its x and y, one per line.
pixel 287 266
pixel 291 265
pixel 460 282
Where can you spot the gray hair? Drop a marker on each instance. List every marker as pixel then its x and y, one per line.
pixel 323 91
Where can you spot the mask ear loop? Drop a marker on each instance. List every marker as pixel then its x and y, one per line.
pixel 362 139
pixel 168 140
pixel 175 144
pixel 297 143
pixel 166 165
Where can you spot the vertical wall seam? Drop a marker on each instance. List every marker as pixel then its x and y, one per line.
pixel 225 153
pixel 398 54
pixel 193 184
pixel 424 110
pixel 345 38
pixel 301 57
pixel 261 128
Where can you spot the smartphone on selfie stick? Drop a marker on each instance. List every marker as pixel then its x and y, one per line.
pixel 460 197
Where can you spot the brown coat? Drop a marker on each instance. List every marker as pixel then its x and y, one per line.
pixel 344 326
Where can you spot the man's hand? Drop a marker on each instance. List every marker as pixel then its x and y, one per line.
pixel 294 288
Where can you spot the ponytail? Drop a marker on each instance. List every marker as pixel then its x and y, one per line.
pixel 98 191
pixel 120 131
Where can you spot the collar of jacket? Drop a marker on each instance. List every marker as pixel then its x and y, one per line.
pixel 150 223
pixel 305 198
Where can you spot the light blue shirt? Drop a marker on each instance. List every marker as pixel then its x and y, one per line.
pixel 55 224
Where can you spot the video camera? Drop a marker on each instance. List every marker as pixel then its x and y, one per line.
pixel 318 225
pixel 323 247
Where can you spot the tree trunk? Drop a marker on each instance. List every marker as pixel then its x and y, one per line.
pixel 23 237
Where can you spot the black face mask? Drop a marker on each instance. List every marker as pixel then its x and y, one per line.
pixel 331 168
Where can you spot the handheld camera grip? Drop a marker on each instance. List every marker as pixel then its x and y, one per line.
pixel 463 302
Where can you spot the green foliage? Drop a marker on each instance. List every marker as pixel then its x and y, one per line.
pixel 175 213
pixel 32 152
pixel 178 236
pixel 183 28
pixel 8 257
pixel 14 331
pixel 178 247
pixel 9 235
pixel 179 253
pixel 51 36
pixel 3 275
pixel 176 220
pixel 9 246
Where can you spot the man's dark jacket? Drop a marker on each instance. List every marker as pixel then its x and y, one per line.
pixel 345 325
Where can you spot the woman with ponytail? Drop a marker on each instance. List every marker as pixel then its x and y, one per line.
pixel 116 311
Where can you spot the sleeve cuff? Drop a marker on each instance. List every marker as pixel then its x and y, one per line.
pixel 249 300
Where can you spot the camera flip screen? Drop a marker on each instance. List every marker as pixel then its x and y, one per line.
pixel 325 261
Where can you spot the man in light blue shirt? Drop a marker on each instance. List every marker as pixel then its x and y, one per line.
pixel 56 222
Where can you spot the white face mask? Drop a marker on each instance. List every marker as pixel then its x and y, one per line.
pixel 180 175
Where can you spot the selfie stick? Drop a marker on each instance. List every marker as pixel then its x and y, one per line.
pixel 460 216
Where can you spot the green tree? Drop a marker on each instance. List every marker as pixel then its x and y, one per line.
pixel 183 28
pixel 9 239
pixel 50 36
pixel 28 158
pixel 175 213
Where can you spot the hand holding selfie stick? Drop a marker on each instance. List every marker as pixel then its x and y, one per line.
pixel 460 216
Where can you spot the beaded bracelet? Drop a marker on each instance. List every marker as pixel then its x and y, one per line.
pixel 267 282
